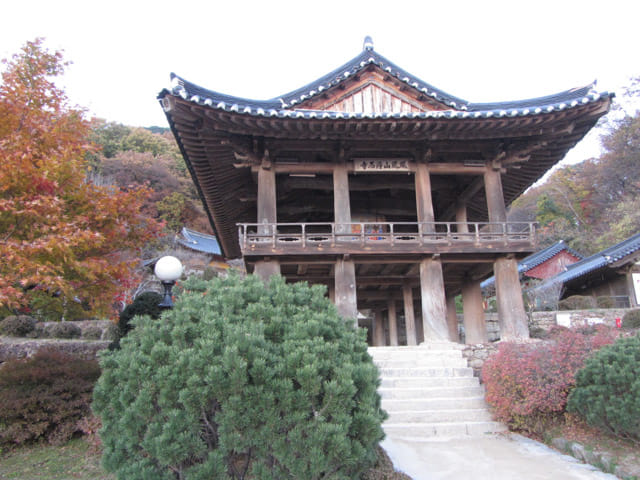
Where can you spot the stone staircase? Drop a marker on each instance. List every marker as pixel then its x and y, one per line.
pixel 429 391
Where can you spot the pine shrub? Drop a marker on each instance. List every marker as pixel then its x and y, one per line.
pixel 631 319
pixel 17 325
pixel 241 380
pixel 527 384
pixel 607 392
pixel 44 397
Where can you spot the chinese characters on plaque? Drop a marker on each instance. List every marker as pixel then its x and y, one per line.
pixel 381 165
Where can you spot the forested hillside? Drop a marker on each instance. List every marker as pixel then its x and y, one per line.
pixel 133 156
pixel 593 204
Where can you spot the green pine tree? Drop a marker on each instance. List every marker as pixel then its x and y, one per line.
pixel 241 381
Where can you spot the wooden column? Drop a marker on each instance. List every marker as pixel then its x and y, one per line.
pixel 409 317
pixel 434 306
pixel 266 268
pixel 475 326
pixel 393 323
pixel 345 289
pixel 511 313
pixel 461 217
pixel 341 202
pixel 424 200
pixel 266 217
pixel 378 329
pixel 266 199
pixel 495 197
pixel 452 319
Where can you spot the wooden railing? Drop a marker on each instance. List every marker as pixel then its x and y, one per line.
pixel 371 235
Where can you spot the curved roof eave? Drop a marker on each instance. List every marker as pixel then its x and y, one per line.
pixel 284 105
pixel 270 108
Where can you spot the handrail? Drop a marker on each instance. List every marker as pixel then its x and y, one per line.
pixel 378 233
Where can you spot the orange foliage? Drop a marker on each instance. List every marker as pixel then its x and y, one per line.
pixel 59 233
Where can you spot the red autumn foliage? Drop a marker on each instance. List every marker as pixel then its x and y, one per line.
pixel 45 397
pixel 527 384
pixel 61 236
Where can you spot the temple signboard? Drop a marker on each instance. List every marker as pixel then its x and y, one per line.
pixel 381 165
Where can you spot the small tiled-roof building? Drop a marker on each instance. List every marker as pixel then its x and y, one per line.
pixel 542 264
pixel 388 190
pixel 609 273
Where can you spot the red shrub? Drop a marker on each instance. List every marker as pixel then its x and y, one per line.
pixel 528 384
pixel 45 397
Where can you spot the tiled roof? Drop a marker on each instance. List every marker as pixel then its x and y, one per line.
pixel 284 106
pixel 542 256
pixel 599 260
pixel 536 259
pixel 200 242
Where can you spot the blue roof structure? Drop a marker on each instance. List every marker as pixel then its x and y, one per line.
pixel 200 242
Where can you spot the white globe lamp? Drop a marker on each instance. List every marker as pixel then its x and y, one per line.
pixel 168 269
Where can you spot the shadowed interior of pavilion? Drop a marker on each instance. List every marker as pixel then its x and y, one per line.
pixel 388 190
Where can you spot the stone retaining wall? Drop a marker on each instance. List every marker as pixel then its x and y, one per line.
pixel 12 348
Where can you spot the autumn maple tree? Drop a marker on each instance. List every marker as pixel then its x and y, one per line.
pixel 62 238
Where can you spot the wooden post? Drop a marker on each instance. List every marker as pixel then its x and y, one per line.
pixel 511 313
pixel 424 200
pixel 266 200
pixel 341 202
pixel 266 268
pixel 434 306
pixel 378 329
pixel 409 317
pixel 345 289
pixel 452 319
pixel 475 326
pixel 495 198
pixel 461 218
pixel 393 322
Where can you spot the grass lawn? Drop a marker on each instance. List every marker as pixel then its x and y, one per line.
pixel 72 461
pixel 75 461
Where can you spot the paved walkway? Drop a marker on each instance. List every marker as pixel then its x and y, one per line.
pixel 490 457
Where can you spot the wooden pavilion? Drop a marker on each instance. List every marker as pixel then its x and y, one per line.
pixel 388 190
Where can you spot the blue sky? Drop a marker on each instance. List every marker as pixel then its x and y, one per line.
pixel 123 52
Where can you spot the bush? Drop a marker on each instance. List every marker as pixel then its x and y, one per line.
pixel 605 302
pixel 92 333
pixel 241 379
pixel 44 397
pixel 577 302
pixel 17 325
pixel 607 392
pixel 527 384
pixel 631 319
pixel 65 330
pixel 144 304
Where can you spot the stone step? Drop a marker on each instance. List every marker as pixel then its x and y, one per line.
pixel 421 353
pixel 474 390
pixel 422 362
pixel 428 382
pixel 426 372
pixel 434 416
pixel 422 404
pixel 417 431
pixel 421 347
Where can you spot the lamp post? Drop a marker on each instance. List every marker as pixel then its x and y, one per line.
pixel 168 269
